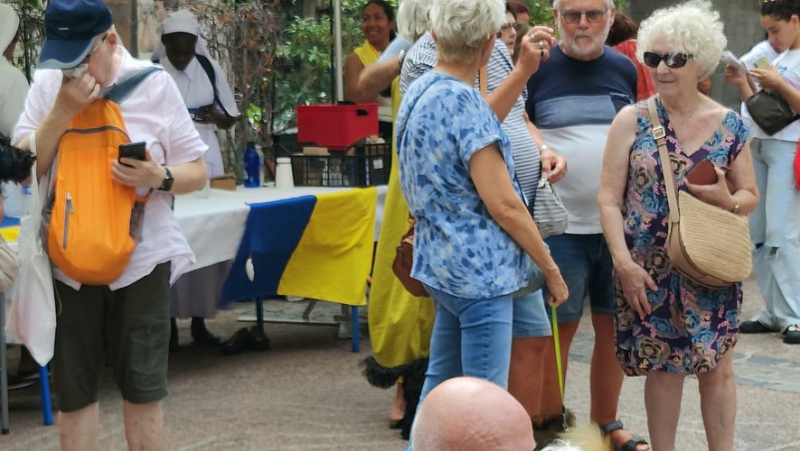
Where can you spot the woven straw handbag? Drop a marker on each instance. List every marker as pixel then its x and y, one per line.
pixel 705 243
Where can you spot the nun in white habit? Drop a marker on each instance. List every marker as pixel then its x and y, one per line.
pixel 182 52
pixel 13 84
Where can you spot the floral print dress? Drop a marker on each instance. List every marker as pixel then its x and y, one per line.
pixel 691 327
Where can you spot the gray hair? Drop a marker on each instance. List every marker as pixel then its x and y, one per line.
pixel 557 4
pixel 691 27
pixel 413 18
pixel 463 26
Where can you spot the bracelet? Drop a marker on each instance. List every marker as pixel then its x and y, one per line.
pixel 543 147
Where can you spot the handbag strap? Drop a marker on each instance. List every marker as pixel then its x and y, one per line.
pixel 660 136
pixel 482 80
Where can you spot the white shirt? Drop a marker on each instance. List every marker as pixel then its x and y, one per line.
pixel 196 89
pixel 761 50
pixel 154 113
pixel 13 89
pixel 788 64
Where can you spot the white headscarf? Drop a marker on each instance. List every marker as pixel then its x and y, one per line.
pixel 9 23
pixel 181 21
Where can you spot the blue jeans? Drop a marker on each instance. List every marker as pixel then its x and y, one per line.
pixel 585 264
pixel 471 337
pixel 774 228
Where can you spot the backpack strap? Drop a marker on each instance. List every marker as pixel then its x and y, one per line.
pixel 205 63
pixel 119 92
pixel 208 68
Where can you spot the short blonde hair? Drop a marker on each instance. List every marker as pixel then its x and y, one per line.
pixel 463 26
pixel 691 27
pixel 413 18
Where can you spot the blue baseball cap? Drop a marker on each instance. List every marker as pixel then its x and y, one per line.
pixel 70 27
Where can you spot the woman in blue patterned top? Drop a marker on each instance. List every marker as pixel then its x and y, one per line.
pixel 473 228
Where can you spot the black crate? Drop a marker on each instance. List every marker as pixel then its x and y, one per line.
pixel 369 165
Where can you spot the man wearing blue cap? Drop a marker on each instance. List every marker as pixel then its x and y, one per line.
pixel 124 324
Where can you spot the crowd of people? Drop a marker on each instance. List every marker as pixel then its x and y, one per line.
pixel 481 107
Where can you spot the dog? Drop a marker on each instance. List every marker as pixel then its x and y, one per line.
pixel 582 437
pixel 15 163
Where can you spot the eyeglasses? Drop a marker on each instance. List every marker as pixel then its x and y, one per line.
pixel 81 68
pixel 506 27
pixel 572 16
pixel 672 60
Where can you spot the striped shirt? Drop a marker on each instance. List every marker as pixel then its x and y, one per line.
pixel 422 58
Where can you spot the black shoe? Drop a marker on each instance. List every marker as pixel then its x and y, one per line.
pixel 754 327
pixel 792 335
pixel 260 341
pixel 203 337
pixel 240 341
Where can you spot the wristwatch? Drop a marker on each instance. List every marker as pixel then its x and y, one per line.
pixel 543 147
pixel 166 185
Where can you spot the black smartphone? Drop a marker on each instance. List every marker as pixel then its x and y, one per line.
pixel 134 151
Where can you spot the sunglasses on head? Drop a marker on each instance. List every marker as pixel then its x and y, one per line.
pixel 573 16
pixel 672 60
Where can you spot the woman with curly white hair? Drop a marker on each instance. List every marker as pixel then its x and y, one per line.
pixel 457 175
pixel 668 326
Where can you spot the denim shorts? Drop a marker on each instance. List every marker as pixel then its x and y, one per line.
pixel 530 314
pixel 585 264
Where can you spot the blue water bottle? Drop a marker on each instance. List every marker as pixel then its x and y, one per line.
pixel 252 166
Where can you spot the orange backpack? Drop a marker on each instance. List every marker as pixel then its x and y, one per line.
pixel 89 237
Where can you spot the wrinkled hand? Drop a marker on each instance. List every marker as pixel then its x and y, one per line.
pixel 139 174
pixel 634 281
pixel 768 78
pixel 557 291
pixel 734 76
pixel 531 54
pixel 76 94
pixel 554 166
pixel 716 194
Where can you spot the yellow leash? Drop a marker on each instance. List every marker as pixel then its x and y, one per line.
pixel 557 345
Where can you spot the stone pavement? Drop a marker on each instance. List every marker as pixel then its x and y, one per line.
pixel 307 393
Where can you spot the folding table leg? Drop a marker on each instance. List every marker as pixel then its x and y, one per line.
pixel 260 313
pixel 44 391
pixel 356 329
pixel 3 368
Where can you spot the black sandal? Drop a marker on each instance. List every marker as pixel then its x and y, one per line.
pixel 631 444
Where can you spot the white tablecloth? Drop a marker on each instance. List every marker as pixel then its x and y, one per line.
pixel 214 225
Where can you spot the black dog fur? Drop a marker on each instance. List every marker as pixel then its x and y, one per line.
pixel 413 375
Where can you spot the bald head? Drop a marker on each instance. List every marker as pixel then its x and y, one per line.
pixel 467 414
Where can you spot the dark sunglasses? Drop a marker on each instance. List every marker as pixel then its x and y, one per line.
pixel 672 60
pixel 572 16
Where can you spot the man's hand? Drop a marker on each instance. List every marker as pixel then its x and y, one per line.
pixel 75 95
pixel 534 48
pixel 554 166
pixel 138 174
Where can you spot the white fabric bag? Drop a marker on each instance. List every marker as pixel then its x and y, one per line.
pixel 33 312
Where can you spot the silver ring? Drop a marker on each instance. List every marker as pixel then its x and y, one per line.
pixel 541 45
pixel 532 38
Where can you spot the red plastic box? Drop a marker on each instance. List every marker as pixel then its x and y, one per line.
pixel 336 127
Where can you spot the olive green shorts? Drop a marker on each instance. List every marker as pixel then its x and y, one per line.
pixel 127 329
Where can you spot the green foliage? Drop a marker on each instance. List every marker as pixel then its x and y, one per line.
pixel 304 67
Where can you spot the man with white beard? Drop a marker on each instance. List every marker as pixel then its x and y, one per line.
pixel 572 99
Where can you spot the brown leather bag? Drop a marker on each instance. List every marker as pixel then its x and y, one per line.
pixel 403 260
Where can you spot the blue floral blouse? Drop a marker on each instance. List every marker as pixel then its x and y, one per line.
pixel 458 248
